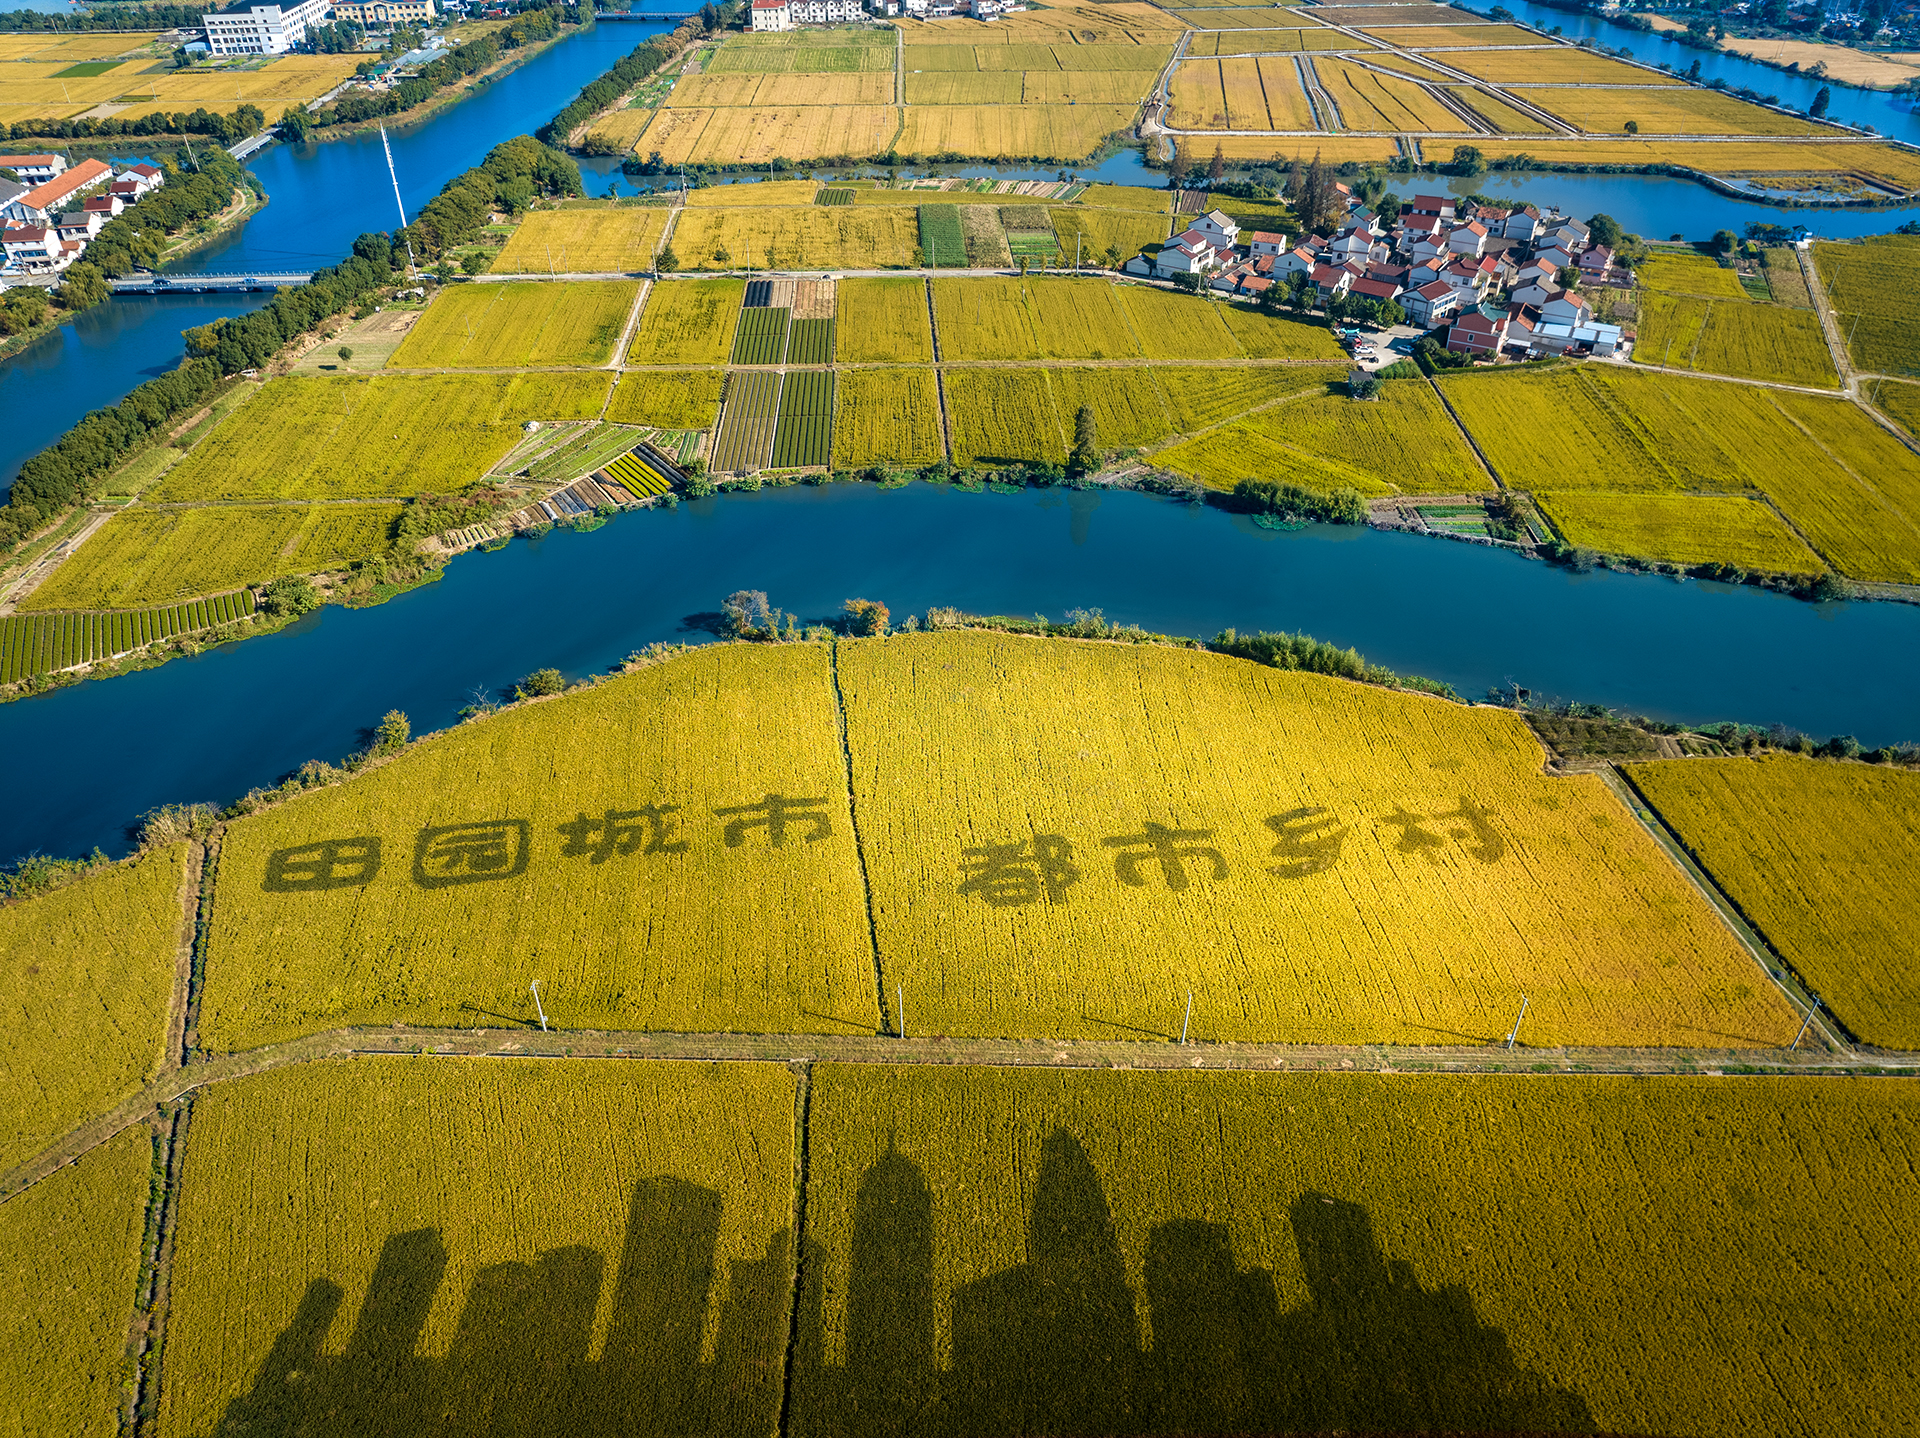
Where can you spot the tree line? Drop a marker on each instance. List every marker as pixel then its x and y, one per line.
pixel 627 72
pixel 228 129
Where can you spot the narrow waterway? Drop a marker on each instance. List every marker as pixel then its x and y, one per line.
pixel 321 195
pixel 1880 109
pixel 80 764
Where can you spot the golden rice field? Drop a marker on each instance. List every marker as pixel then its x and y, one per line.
pixel 1370 101
pixel 668 399
pixel 887 416
pixel 1561 65
pixel 1031 318
pixel 1688 274
pixel 1870 286
pixel 1317 38
pixel 1735 337
pixel 1900 400
pixel 997 416
pixel 672 850
pixel 33 87
pixel 513 324
pixel 87 973
pixel 884 320
pixel 1450 37
pixel 1333 149
pixel 69 48
pixel 764 192
pixel 1204 396
pixel 156 556
pixel 1099 235
pixel 1842 481
pixel 1508 119
pixel 1063 134
pixel 1889 162
pixel 756 136
pixel 1404 439
pixel 1680 529
pixel 1666 111
pixel 688 322
pixel 1819 855
pixel 583 241
pixel 806 237
pixel 1127 197
pixel 1034 1250
pixel 621 127
pixel 300 438
pixel 1075 871
pixel 722 90
pixel 69 1264
pixel 405 1245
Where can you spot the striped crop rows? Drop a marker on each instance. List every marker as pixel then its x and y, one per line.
pixel 811 342
pixel 941 240
pixel 747 420
pixel 762 336
pixel 638 474
pixel 46 644
pixel 806 419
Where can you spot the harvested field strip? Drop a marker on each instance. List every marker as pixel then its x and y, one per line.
pixel 1819 855
pixel 747 421
pixel 883 320
pixel 761 337
pixel 983 237
pixel 1669 111
pixel 941 239
pixel 1369 101
pixel 805 430
pixel 583 241
pixel 884 416
pixel 1680 529
pixel 811 342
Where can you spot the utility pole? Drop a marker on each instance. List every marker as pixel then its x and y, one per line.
pixel 537 1007
pixel 1812 1009
pixel 398 203
pixel 1187 1022
pixel 1515 1032
pixel 900 1002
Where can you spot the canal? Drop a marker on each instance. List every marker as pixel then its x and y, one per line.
pixel 80 764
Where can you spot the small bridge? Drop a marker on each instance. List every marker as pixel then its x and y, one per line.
pixel 644 14
pixel 208 284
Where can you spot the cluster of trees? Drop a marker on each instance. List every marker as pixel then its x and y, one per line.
pixel 1310 191
pixel 514 173
pixel 106 17
pixel 137 237
pixel 250 340
pixel 227 129
pixel 450 69
pixel 630 70
pixel 1288 501
pixel 56 479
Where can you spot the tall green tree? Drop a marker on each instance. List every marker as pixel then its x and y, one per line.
pixel 1086 442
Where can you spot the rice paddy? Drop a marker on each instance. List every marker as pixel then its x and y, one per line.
pixel 518 324
pixel 621 238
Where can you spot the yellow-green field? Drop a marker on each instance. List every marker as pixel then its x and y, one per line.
pixel 1022 1250
pixel 509 325
pixel 1846 484
pixel 997 416
pixel 1562 65
pixel 406 1246
pixel 1681 529
pixel 1666 111
pixel 796 238
pixel 1819 856
pixel 1687 274
pixel 583 241
pixel 670 399
pixel 582 843
pixel 1871 288
pixel 981 319
pixel 688 322
pixel 1330 860
pixel 1735 337
pixel 87 972
pixel 883 320
pixel 146 80
pixel 886 416
pixel 394 435
pixel 69 1261
pixel 156 556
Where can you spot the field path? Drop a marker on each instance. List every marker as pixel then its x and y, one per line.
pixel 1829 323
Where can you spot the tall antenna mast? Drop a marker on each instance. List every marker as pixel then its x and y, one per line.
pixel 398 203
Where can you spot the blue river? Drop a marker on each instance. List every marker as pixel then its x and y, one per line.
pixel 80 764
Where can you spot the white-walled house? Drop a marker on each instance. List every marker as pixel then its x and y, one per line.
pixel 1468 239
pixel 1219 228
pixel 1566 308
pixel 1267 242
pixel 1431 303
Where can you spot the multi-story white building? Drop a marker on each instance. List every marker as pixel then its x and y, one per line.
pixel 772 15
pixel 368 13
pixel 262 29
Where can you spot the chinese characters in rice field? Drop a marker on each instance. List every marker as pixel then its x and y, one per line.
pixel 1021 870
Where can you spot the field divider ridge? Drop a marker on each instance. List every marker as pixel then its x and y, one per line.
pixel 197 962
pixel 192 898
pixel 147 1324
pixel 1771 961
pixel 859 844
pixel 618 357
pixel 802 1127
pixel 1465 433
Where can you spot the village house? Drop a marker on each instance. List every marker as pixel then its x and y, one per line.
pixel 48 198
pixel 1331 280
pixel 1468 239
pixel 31 247
pixel 1430 304
pixel 1534 291
pixel 1219 229
pixel 772 15
pixel 1566 308
pixel 1596 263
pixel 1521 224
pixel 1295 262
pixel 108 204
pixel 246 29
pixel 34 169
pixel 1475 334
pixel 1438 206
pixel 81 225
pixel 1383 290
pixel 1267 242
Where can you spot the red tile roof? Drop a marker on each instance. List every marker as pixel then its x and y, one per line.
pixel 46 196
